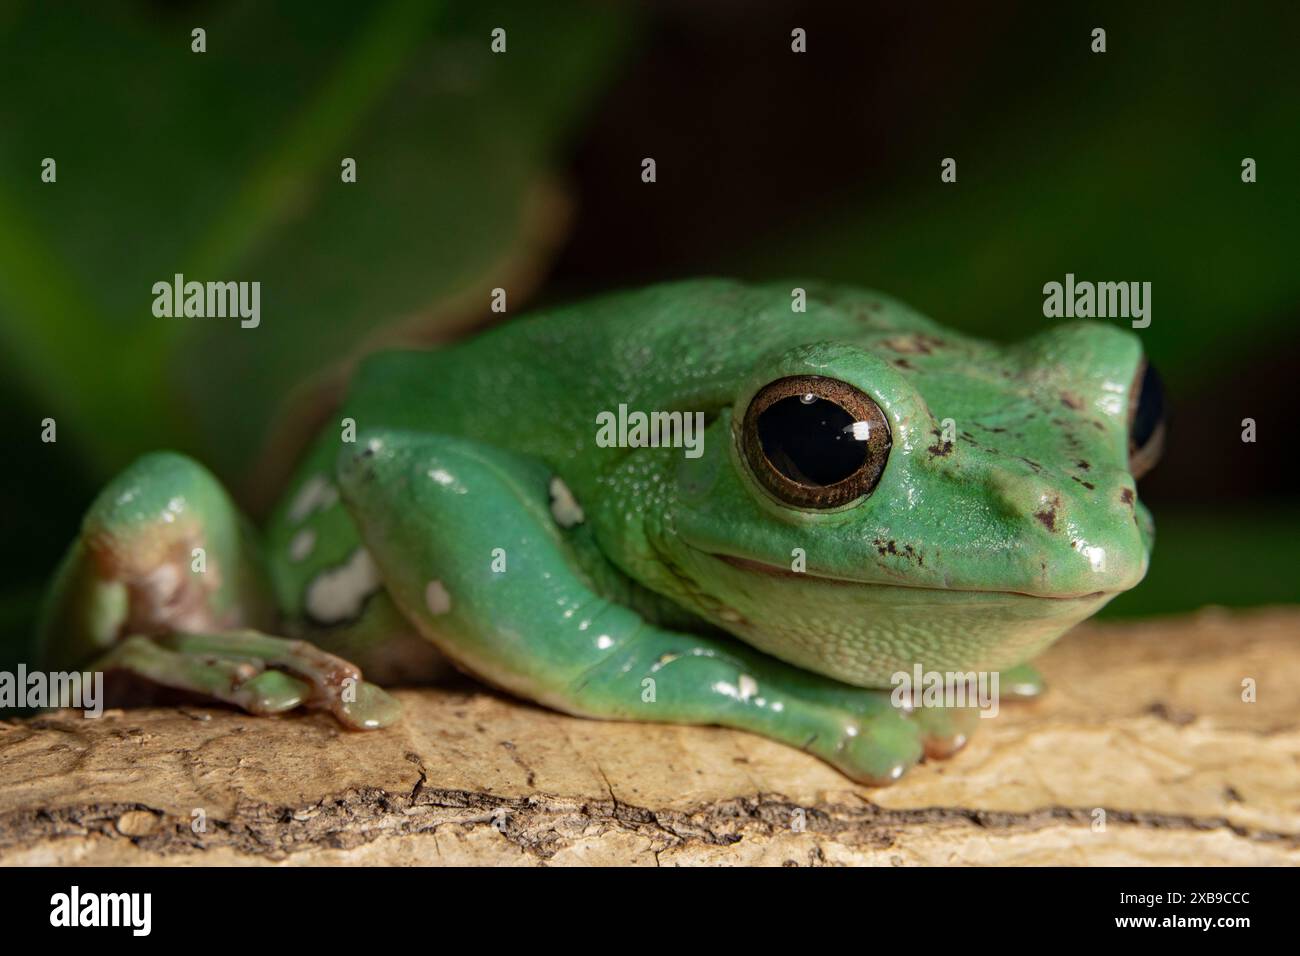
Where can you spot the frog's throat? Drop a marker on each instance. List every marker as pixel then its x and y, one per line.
pixel 761 567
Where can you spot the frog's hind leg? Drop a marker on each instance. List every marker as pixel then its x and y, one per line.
pixel 255 672
pixel 478 547
pixel 165 583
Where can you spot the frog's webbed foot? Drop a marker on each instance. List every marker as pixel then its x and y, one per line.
pixel 255 672
pixel 479 549
pixel 164 583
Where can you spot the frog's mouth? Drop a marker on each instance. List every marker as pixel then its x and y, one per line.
pixel 771 570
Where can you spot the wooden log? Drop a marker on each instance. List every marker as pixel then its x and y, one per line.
pixel 1143 751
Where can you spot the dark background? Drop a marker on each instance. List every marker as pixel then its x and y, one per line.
pixel 523 170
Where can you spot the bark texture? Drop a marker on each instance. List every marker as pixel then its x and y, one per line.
pixel 1143 727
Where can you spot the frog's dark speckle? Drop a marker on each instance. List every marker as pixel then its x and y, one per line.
pixel 1071 401
pixel 905 364
pixel 1048 517
pixel 1032 464
pixel 1087 484
pixel 891 547
pixel 940 448
pixel 914 344
pixel 1083 464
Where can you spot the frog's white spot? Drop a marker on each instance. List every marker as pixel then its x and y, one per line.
pixel 1113 403
pixel 604 642
pixel 747 686
pixel 436 598
pixel 338 593
pixel 302 544
pixel 664 660
pixel 315 494
pixel 1096 556
pixel 564 507
pixel 850 730
pixel 445 478
pixel 174 507
pixel 727 614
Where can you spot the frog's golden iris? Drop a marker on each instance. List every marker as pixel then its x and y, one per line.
pixel 815 442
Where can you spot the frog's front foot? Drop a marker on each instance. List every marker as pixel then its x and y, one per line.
pixel 255 672
pixel 879 742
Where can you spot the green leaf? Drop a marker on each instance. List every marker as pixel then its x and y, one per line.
pixel 225 166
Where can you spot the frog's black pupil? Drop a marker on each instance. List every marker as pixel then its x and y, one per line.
pixel 1150 408
pixel 810 442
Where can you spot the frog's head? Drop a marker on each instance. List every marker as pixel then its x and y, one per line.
pixel 919 497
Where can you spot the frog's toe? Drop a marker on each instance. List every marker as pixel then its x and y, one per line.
pixel 879 750
pixel 370 708
pixel 271 692
pixel 1022 681
pixel 945 730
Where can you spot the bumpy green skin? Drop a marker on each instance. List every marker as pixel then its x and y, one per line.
pixel 445 520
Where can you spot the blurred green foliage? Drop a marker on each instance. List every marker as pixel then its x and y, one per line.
pixel 225 165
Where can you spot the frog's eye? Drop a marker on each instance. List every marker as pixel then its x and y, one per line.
pixel 1146 429
pixel 815 442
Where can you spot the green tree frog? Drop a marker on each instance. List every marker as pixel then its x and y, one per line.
pixel 870 492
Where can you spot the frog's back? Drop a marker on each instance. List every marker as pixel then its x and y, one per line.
pixel 536 383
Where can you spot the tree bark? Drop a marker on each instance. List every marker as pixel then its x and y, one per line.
pixel 1142 751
